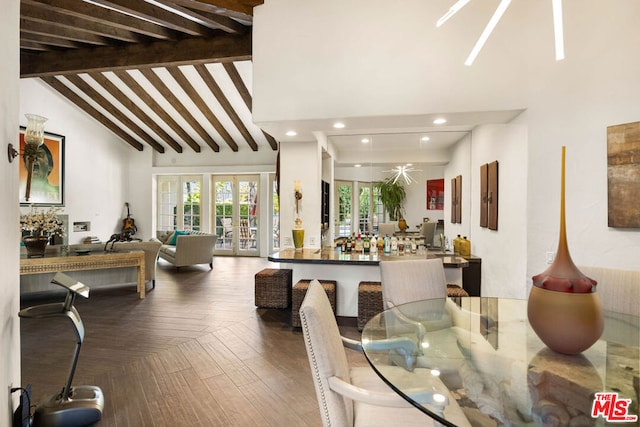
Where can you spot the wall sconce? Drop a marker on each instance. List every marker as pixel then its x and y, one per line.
pixel 33 139
pixel 298 231
pixel 298 193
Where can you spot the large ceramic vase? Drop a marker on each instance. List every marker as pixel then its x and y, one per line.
pixel 564 309
pixel 35 245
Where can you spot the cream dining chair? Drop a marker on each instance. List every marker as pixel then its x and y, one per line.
pixel 357 396
pixel 413 280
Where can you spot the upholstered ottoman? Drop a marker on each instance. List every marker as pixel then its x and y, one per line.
pixel 273 288
pixel 369 301
pixel 300 290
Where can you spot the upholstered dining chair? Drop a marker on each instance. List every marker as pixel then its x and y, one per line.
pixel 356 396
pixel 412 280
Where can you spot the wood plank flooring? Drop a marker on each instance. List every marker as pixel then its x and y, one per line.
pixel 195 352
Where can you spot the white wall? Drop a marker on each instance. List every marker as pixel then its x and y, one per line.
pixel 460 164
pixel 503 266
pixel 9 216
pixel 304 163
pixel 96 173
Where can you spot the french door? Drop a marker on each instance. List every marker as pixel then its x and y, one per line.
pixel 235 214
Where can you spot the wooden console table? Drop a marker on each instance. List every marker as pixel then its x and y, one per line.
pixel 91 261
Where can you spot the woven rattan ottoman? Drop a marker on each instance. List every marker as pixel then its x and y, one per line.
pixel 369 301
pixel 273 288
pixel 300 290
pixel 456 291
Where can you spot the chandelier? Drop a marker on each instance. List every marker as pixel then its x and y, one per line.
pixel 402 172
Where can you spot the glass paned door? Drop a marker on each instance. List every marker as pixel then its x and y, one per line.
pixel 343 205
pixel 236 214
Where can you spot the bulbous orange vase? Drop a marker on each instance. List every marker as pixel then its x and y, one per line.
pixel 564 309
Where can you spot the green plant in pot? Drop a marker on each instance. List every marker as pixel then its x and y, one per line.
pixel 393 196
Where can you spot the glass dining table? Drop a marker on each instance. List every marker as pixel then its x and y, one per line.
pixel 495 371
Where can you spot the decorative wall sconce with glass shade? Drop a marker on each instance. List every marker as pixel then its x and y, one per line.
pixel 33 138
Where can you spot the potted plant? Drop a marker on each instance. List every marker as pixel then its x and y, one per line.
pixel 37 227
pixel 392 196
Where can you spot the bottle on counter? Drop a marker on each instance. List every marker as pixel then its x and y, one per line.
pixel 414 246
pixel 349 244
pixel 343 246
pixel 366 244
pixel 464 247
pixel 456 244
pixel 359 246
pixel 387 245
pixel 373 245
pixel 394 245
pixel 380 241
pixel 401 246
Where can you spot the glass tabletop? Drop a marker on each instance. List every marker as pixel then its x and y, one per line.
pixel 482 355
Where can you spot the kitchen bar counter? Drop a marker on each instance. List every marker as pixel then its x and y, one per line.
pixel 349 269
pixel 334 256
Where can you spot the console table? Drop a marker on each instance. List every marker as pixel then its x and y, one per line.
pixel 91 261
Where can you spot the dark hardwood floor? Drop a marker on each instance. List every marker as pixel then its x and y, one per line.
pixel 195 352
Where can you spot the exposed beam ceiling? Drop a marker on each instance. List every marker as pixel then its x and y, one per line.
pixel 172 75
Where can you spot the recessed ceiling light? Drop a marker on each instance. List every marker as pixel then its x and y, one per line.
pixel 439 121
pixel 338 125
pixel 365 140
pixel 291 133
pixel 357 165
pixel 425 138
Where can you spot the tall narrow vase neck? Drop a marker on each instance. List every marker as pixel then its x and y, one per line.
pixel 563 275
pixel 563 247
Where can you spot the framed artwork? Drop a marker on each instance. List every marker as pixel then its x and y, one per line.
pixel 47 178
pixel 456 200
pixel 623 175
pixel 435 194
pixel 489 195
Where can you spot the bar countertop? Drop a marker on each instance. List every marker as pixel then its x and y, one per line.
pixel 335 256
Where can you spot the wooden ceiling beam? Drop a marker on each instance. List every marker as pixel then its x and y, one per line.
pixel 148 12
pixel 47 15
pixel 89 109
pixel 226 106
pixel 135 87
pixel 161 87
pixel 46 40
pixel 104 16
pixel 188 88
pixel 123 99
pixel 222 48
pixel 237 9
pixel 48 28
pixel 90 92
pixel 232 71
pixel 215 22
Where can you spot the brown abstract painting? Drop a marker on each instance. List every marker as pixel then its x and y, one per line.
pixel 623 175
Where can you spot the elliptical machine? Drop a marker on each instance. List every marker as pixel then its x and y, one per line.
pixel 74 406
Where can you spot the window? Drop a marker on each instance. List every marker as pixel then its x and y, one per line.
pixel 175 211
pixel 191 204
pixel 343 204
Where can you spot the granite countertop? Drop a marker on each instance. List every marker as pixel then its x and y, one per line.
pixel 335 256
